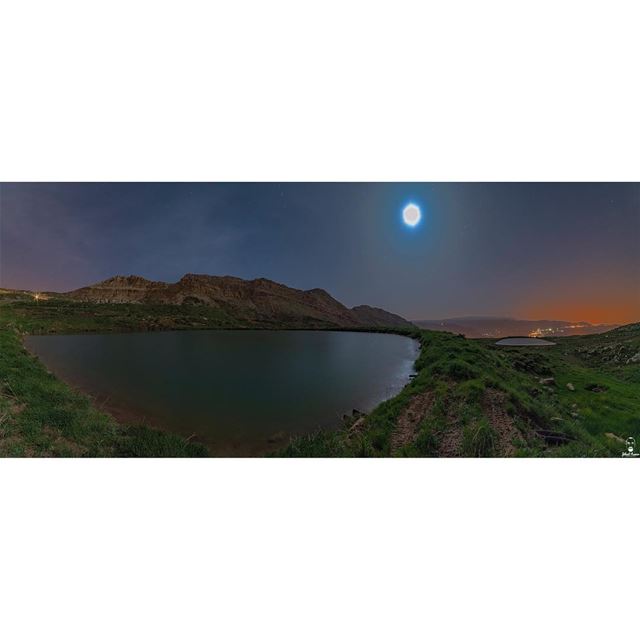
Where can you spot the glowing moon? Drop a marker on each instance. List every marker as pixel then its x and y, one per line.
pixel 411 215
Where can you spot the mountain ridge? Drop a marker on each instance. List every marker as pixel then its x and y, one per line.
pixel 258 299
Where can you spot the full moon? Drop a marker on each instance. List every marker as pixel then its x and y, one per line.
pixel 411 215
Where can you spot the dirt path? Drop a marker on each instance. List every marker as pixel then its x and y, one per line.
pixel 450 433
pixel 451 441
pixel 406 429
pixel 494 407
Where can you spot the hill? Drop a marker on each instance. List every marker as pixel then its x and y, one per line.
pixel 260 300
pixel 374 317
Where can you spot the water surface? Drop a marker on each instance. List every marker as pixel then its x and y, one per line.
pixel 240 392
pixel 524 342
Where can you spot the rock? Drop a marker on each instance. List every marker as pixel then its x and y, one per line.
pixel 277 437
pixel 356 426
pixel 556 419
pixel 547 381
pixel 635 358
pixel 575 415
pixel 570 387
pixel 356 413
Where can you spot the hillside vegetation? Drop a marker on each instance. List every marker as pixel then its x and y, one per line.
pixel 472 398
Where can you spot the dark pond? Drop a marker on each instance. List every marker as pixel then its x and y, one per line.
pixel 240 392
pixel 524 342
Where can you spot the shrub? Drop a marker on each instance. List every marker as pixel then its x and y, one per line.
pixel 460 370
pixel 141 442
pixel 426 442
pixel 479 440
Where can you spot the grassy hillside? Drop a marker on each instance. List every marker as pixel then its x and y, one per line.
pixel 469 398
pixel 472 398
pixel 59 315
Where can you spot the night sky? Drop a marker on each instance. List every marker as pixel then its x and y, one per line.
pixel 536 251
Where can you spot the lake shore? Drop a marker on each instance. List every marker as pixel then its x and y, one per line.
pixel 29 318
pixel 299 381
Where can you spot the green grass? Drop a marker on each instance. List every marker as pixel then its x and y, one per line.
pixel 63 316
pixel 60 315
pixel 479 440
pixel 429 431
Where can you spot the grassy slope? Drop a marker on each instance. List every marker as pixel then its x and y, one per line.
pixel 65 316
pixel 39 415
pixel 62 316
pixel 548 420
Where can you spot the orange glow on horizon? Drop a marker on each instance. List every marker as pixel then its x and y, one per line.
pixel 619 312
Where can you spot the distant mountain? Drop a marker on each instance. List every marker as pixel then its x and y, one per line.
pixel 494 327
pixel 374 317
pixel 252 301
